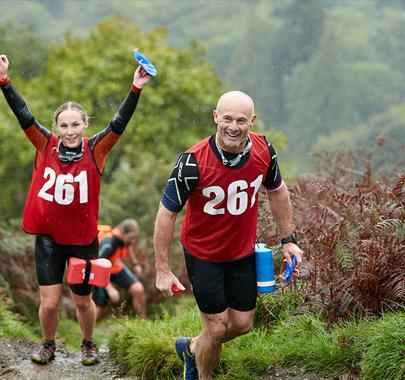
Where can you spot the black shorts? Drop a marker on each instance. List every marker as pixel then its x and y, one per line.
pixel 51 259
pixel 217 286
pixel 124 279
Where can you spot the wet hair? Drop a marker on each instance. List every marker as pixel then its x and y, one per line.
pixel 128 225
pixel 70 106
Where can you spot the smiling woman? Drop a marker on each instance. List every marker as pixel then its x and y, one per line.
pixel 61 208
pixel 71 121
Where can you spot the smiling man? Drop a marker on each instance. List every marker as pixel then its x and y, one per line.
pixel 219 179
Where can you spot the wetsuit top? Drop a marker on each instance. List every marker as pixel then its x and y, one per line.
pixel 63 198
pixel 112 248
pixel 221 214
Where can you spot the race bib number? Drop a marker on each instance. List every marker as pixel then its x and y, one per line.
pixel 236 195
pixel 60 188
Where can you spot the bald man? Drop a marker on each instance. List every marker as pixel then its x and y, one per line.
pixel 219 179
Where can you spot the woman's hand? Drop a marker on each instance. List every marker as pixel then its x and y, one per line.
pixel 141 78
pixel 3 66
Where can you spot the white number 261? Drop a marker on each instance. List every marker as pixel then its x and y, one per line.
pixel 63 192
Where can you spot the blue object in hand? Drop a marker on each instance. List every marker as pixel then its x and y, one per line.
pixel 289 270
pixel 264 268
pixel 145 63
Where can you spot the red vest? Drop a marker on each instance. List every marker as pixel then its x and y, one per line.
pixel 221 216
pixel 119 254
pixel 63 199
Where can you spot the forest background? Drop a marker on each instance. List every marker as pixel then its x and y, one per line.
pixel 325 75
pixel 328 83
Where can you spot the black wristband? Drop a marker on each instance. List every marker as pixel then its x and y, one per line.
pixel 289 239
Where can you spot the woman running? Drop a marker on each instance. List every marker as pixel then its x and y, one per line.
pixel 62 204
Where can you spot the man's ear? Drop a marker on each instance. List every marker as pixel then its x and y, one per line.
pixel 253 119
pixel 215 114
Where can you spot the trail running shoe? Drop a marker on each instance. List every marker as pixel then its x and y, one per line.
pixel 46 353
pixel 183 350
pixel 89 352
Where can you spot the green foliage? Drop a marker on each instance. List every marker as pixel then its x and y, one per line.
pixel 371 348
pixel 356 346
pixel 329 75
pixel 333 96
pixel 323 68
pixel 295 39
pixel 16 160
pixel 17 273
pixel 69 332
pixel 15 41
pixel 135 346
pixel 245 356
pixel 16 154
pixel 274 307
pixel 10 326
pixel 170 307
pixel 344 258
pixel 385 356
pixel 323 83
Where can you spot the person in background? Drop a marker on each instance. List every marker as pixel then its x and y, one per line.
pixel 118 244
pixel 62 204
pixel 219 180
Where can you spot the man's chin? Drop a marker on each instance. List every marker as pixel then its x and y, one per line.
pixel 234 145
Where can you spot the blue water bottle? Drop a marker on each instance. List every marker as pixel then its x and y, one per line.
pixel 264 268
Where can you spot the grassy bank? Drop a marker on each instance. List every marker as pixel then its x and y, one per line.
pixel 11 326
pixel 372 348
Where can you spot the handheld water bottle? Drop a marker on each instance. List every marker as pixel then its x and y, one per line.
pixel 264 268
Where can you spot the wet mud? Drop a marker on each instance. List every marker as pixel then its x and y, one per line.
pixel 15 363
pixel 295 374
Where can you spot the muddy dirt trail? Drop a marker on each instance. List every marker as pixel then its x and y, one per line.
pixel 15 363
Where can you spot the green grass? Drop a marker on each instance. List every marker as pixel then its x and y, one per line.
pixel 10 326
pixel 245 356
pixel 385 355
pixel 274 307
pixel 69 332
pixel 307 340
pixel 146 348
pixel 371 348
